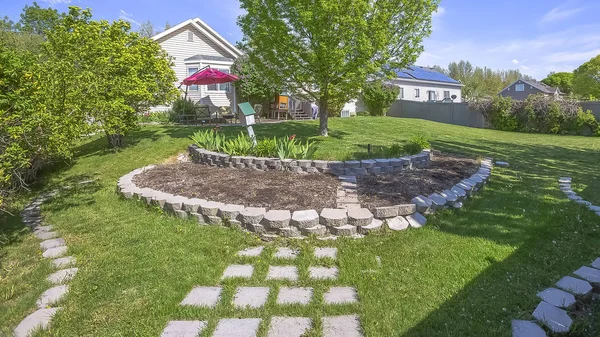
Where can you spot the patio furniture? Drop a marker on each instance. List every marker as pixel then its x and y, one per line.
pixel 227 114
pixel 258 109
pixel 203 115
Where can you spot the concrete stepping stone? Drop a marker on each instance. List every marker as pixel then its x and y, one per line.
pixel 305 219
pixel 334 217
pixel 64 261
pixel 397 224
pixel 574 285
pixel 341 295
pixel 375 226
pixel 237 327
pixel 360 217
pixel 502 164
pixel 557 320
pixel 238 271
pixel 250 297
pixel 39 319
pixel 52 296
pixel 286 253
pixel 277 219
pixel 203 297
pixel 40 229
pixel 46 235
pixel 423 203
pixel 289 326
pixel 596 263
pixel 53 253
pixel 416 220
pixel 291 295
pixel 574 197
pixel 590 274
pixel 52 243
pixel 341 326
pixel 331 253
pixel 252 215
pixel 526 329
pixel 184 328
pixel 323 273
pixel 63 275
pixel 282 273
pixel 557 298
pixel 251 252
pixel 564 180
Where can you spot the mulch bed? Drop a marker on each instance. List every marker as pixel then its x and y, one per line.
pixel 400 188
pixel 273 189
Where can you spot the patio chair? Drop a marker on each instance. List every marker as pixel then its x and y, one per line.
pixel 226 113
pixel 202 113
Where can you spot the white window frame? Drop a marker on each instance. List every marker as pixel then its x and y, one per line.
pixel 520 85
pixel 446 92
pixel 417 93
pixel 194 87
pixel 401 93
pixel 190 36
pixel 219 84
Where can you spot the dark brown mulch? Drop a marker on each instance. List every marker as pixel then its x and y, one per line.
pixel 273 189
pixel 400 188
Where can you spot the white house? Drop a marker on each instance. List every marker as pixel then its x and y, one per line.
pixel 426 84
pixel 194 45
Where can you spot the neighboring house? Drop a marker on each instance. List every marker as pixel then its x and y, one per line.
pixel 426 84
pixel 521 89
pixel 194 45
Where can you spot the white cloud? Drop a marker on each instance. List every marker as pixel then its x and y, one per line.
pixel 580 57
pixel 127 17
pixel 515 61
pixel 54 2
pixel 561 12
pixel 525 68
pixel 439 12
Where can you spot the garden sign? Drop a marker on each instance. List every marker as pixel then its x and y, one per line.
pixel 246 117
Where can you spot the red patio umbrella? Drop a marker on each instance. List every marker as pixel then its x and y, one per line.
pixel 209 76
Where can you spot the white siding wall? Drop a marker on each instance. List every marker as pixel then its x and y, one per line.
pixel 410 86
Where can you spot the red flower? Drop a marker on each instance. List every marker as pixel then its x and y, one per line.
pixel 292 137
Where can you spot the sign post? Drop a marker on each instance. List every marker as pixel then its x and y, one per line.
pixel 246 116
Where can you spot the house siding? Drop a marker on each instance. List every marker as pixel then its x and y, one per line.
pixel 520 95
pixel 409 87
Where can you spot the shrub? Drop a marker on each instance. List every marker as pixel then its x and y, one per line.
pixel 416 144
pixel 379 97
pixel 394 151
pixel 182 106
pixel 211 140
pixel 242 145
pixel 363 113
pixel 290 147
pixel 266 148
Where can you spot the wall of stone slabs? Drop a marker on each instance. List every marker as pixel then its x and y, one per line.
pixel 338 168
pixel 349 221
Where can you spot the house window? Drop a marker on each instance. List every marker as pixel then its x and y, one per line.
pixel 401 94
pixel 221 86
pixel 446 94
pixel 192 71
pixel 417 93
pixel 520 87
pixel 190 35
pixel 431 95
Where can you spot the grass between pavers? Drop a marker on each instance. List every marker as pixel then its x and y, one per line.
pixel 467 273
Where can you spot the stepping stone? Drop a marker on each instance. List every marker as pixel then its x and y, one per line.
pixel 252 215
pixel 385 212
pixel 416 220
pixel 594 208
pixel 64 261
pixel 341 295
pixel 53 253
pixel 46 235
pixel 347 230
pixel 423 203
pixel 203 297
pixel 564 180
pixel 331 253
pixel 557 320
pixel 39 319
pixel 341 326
pixel 596 263
pixel 375 226
pixel 184 329
pixel 40 229
pixel 305 219
pixel 289 326
pixel 526 329
pixel 52 296
pixel 286 253
pixel 502 164
pixel 230 211
pixel 583 202
pixel 250 297
pixel 590 274
pixel 574 285
pixel 323 273
pixel 557 298
pixel 238 270
pixel 360 217
pixel 251 252
pixel 237 327
pixel 333 217
pixel 52 243
pixel 574 197
pixel 294 295
pixel 397 224
pixel 277 219
pixel 282 273
pixel 63 275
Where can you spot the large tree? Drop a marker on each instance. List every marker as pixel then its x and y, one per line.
pixel 38 20
pixel 146 29
pixel 586 79
pixel 252 85
pixel 327 49
pixel 561 80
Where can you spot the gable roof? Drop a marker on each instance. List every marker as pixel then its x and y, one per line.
pixel 200 57
pixel 207 31
pixel 424 74
pixel 538 85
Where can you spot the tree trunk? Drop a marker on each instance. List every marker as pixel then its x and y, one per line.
pixel 323 115
pixel 115 140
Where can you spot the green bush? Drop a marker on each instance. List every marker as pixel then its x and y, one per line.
pixel 416 144
pixel 290 147
pixel 379 97
pixel 363 113
pixel 182 106
pixel 394 151
pixel 211 140
pixel 242 145
pixel 266 148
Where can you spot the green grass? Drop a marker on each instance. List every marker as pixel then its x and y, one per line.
pixel 467 273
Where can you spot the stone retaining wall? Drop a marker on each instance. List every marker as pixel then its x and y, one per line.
pixel 347 220
pixel 338 168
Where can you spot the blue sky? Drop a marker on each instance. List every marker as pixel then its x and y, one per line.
pixel 535 36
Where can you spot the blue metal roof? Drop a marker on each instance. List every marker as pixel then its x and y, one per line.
pixel 425 74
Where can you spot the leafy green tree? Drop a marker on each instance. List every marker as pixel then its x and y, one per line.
pixel 38 20
pixel 6 24
pixel 252 85
pixel 586 79
pixel 105 73
pixel 562 80
pixel 379 97
pixel 328 49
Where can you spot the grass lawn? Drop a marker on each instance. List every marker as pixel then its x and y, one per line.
pixel 467 273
